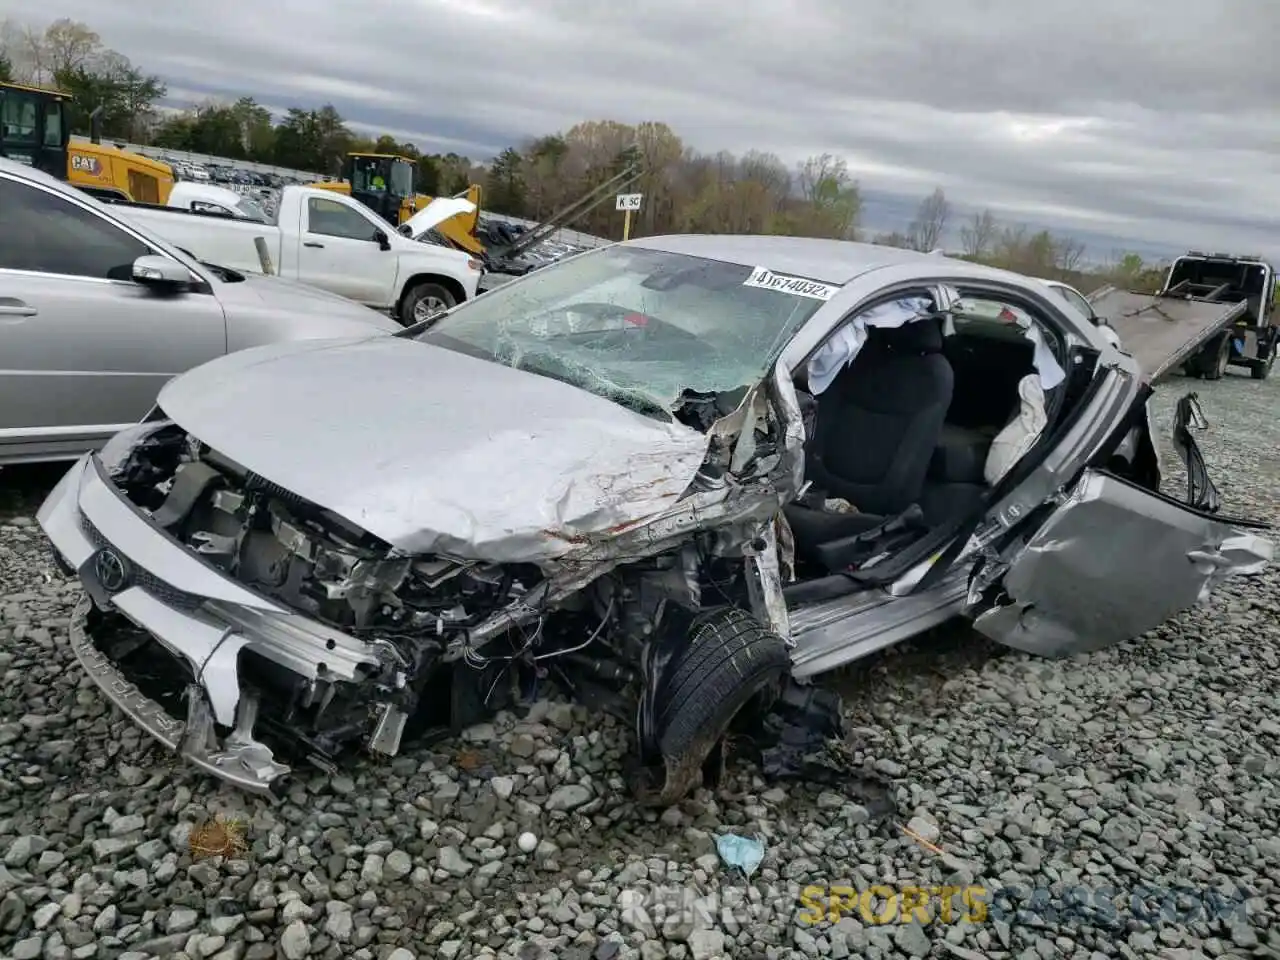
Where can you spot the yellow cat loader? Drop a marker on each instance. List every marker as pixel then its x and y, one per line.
pixel 34 130
pixel 385 183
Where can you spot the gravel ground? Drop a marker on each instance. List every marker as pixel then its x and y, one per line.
pixel 1082 795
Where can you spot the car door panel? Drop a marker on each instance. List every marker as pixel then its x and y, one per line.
pixel 95 353
pixel 83 348
pixel 1111 562
pixel 337 252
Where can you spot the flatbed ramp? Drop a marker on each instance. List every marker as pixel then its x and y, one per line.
pixel 1162 332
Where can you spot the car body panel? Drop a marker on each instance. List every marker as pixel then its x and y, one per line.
pixel 836 632
pixel 98 349
pixel 1112 562
pixel 448 454
pixel 187 195
pixel 358 269
pixel 453 459
pixel 84 357
pixel 435 213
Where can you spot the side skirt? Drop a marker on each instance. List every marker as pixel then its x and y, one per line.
pixel 835 632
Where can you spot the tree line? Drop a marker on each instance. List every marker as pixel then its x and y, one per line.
pixel 685 190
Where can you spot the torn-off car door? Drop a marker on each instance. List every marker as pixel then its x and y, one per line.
pixel 1112 561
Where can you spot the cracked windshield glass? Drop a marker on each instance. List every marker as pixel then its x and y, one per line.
pixel 640 327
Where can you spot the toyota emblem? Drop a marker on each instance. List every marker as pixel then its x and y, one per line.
pixel 112 570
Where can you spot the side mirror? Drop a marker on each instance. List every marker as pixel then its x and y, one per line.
pixel 161 273
pixel 383 240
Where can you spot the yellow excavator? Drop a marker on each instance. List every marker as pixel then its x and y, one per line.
pixel 385 183
pixel 34 130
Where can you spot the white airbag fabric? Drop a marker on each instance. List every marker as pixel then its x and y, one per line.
pixel 1020 434
pixel 838 352
pixel 843 346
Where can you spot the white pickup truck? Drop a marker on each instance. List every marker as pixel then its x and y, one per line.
pixel 329 241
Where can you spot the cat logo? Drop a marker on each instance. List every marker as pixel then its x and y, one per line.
pixel 90 165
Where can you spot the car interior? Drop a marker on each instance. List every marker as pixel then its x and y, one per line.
pixel 901 441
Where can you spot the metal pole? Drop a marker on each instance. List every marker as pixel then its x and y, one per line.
pixel 264 255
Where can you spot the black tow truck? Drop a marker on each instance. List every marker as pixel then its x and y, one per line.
pixel 1214 311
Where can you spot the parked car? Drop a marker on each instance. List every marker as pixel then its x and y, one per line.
pixel 1081 303
pixel 668 473
pixel 219 201
pixel 96 314
pixel 332 242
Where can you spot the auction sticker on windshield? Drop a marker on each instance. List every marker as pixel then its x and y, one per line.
pixel 797 286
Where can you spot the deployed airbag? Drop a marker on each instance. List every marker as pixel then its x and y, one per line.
pixel 839 351
pixel 1019 434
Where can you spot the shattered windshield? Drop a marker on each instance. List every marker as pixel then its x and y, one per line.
pixel 640 327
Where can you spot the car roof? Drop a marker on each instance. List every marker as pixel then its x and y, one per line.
pixel 829 261
pixel 26 172
pixel 816 258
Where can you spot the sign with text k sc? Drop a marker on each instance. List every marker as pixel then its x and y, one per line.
pixel 629 201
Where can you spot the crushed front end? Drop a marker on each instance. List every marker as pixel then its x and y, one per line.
pixel 241 626
pixel 251 629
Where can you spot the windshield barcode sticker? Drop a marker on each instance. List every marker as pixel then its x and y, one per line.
pixel 796 286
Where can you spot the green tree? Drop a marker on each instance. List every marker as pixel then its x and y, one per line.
pixel 257 135
pixel 505 190
pixel 316 140
pixel 217 131
pixel 830 201
pixel 429 175
pixel 297 141
pixel 6 67
pixel 127 96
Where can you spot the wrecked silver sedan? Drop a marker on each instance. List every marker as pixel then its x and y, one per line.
pixel 670 476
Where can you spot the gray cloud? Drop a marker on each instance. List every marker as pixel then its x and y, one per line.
pixel 1122 118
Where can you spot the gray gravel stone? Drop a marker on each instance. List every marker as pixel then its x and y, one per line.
pixel 1150 765
pixel 295 941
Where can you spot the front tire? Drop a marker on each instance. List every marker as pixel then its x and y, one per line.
pixel 424 301
pixel 730 660
pixel 1261 369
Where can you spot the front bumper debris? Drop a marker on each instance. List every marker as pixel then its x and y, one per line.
pixel 238 758
pixel 202 618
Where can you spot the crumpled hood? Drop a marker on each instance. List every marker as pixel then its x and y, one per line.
pixel 434 451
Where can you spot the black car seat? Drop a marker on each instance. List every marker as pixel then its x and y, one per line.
pixel 877 428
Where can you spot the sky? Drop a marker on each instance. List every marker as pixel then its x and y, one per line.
pixel 1143 124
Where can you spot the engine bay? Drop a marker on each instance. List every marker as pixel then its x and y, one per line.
pixel 303 556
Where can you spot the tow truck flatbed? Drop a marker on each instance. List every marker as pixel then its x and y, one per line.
pixel 1163 332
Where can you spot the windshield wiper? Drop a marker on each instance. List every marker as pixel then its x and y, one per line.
pixel 643 405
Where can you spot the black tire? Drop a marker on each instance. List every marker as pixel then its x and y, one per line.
pixel 1216 361
pixel 729 660
pixel 1261 369
pixel 423 293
